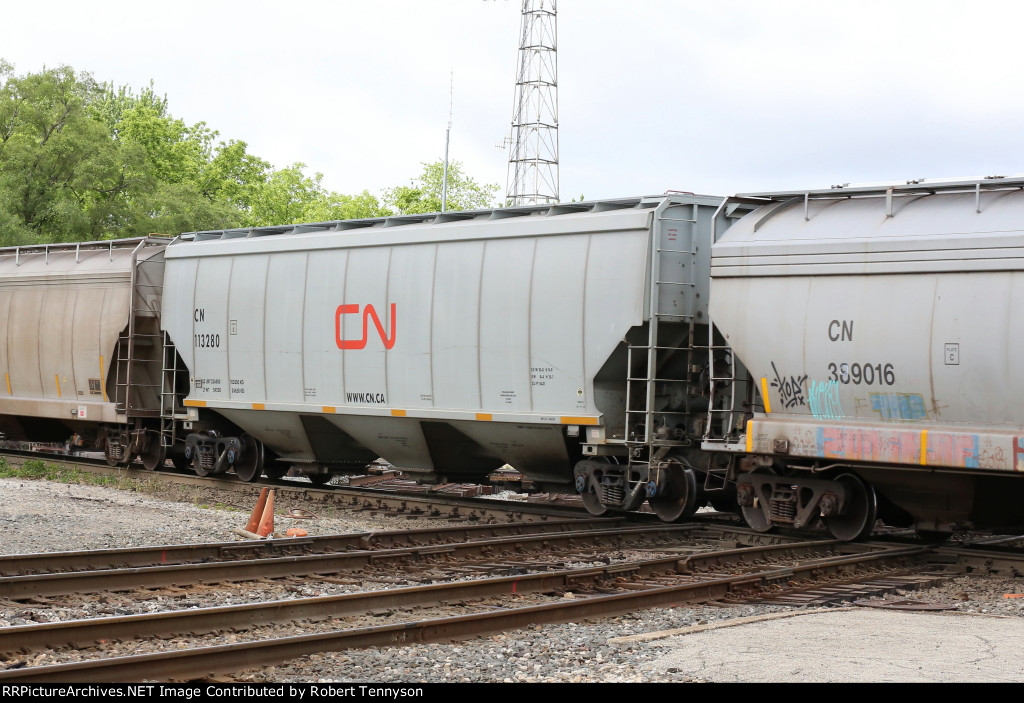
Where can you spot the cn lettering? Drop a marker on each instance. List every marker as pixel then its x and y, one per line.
pixel 368 313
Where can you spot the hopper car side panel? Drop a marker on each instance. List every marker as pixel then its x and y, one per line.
pixel 405 339
pixel 880 326
pixel 283 333
pixel 61 319
pixel 71 363
pixel 909 381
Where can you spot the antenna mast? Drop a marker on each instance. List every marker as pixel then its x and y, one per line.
pixel 447 137
pixel 533 160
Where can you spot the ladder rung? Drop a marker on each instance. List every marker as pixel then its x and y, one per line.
pixel 659 380
pixel 677 349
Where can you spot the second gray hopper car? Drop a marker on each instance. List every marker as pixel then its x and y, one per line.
pixel 570 341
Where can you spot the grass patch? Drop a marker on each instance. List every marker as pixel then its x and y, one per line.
pixel 37 469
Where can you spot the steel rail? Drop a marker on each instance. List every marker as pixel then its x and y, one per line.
pixel 53 584
pixel 439 506
pixel 985 559
pixel 206 661
pixel 54 562
pixel 241 616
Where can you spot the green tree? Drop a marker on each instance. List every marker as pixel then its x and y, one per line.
pixel 61 176
pixel 423 194
pixel 80 160
pixel 185 181
pixel 289 196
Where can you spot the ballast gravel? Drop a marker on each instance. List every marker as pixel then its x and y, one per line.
pixel 978 640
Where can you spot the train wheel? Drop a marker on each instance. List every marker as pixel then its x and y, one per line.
pixel 677 498
pixel 198 468
pixel 153 458
pixel 754 515
pixel 593 504
pixel 249 466
pixel 860 512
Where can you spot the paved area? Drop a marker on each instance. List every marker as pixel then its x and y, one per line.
pixel 853 645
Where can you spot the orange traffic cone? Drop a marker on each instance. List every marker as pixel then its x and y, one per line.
pixel 257 512
pixel 267 522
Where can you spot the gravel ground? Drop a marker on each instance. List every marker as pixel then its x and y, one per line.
pixel 49 516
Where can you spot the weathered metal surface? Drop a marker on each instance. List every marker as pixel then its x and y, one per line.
pixel 61 562
pixel 447 344
pixel 226 569
pixel 62 308
pixel 881 333
pixel 226 658
pixel 450 507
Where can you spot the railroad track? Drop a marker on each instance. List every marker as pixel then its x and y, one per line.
pixel 493 549
pixel 371 498
pixel 787 571
pixel 57 562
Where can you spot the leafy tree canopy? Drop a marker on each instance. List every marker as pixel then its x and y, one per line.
pixel 82 160
pixel 423 194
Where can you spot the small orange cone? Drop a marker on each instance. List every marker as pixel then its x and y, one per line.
pixel 267 522
pixel 257 512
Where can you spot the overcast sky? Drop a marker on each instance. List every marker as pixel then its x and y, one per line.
pixel 711 97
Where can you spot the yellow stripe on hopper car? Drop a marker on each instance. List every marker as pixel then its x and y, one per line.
pixel 195 403
pixel 764 394
pixel 578 420
pixel 924 447
pixel 484 416
pixel 397 413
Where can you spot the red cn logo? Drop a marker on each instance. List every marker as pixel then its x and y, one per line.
pixel 368 313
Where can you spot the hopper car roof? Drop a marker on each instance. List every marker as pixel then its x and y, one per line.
pixel 947 225
pixel 645 204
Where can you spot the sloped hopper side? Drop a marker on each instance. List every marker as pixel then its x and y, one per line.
pixel 62 309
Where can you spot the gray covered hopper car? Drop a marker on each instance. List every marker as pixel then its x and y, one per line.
pixel 84 350
pixel 860 364
pixel 570 341
pixel 881 325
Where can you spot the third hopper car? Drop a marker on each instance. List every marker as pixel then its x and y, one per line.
pixel 881 325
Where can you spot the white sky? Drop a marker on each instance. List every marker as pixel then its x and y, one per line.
pixel 654 95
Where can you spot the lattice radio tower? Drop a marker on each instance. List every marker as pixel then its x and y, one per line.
pixel 533 158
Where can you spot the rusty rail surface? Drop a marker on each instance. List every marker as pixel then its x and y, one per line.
pixel 63 583
pixel 87 560
pixel 206 661
pixel 413 504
